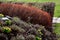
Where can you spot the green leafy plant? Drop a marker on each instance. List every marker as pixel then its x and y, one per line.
pixel 6 29
pixel 1 15
pixel 8 22
pixel 39 30
pixel 38 38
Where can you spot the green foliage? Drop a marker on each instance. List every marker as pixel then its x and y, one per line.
pixel 39 30
pixel 38 38
pixel 8 22
pixel 6 29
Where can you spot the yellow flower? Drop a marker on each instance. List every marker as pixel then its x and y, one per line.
pixel 8 22
pixel 6 29
pixel 1 15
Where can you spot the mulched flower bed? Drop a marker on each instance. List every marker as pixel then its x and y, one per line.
pixel 13 28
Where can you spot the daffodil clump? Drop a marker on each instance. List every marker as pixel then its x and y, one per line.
pixel 6 29
pixel 1 15
pixel 8 22
pixel 5 20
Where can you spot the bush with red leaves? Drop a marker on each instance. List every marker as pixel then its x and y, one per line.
pixel 34 15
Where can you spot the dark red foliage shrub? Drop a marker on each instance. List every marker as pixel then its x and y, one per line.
pixel 34 15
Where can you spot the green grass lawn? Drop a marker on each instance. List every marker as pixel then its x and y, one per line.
pixel 57 28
